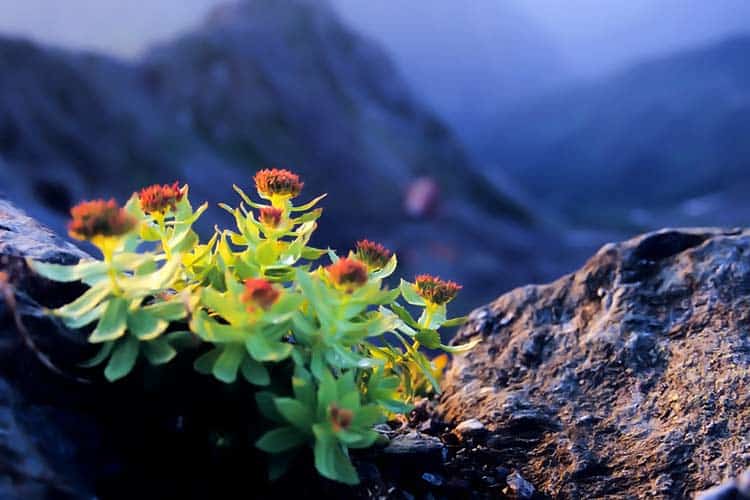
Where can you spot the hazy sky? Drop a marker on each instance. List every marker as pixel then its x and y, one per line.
pixel 591 36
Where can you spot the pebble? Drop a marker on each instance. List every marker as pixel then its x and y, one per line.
pixel 523 489
pixel 415 443
pixel 469 427
pixel 433 479
pixel 501 473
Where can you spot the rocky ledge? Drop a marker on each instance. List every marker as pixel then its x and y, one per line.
pixel 626 379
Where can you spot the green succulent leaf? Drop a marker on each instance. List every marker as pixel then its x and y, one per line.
pixel 113 322
pixel 404 315
pixel 100 357
pixel 228 363
pixel 145 325
pixel 255 372
pixel 65 273
pixel 387 270
pixel 123 359
pixel 263 349
pixel 294 412
pixel 455 322
pixel 265 400
pixel 205 363
pixel 309 205
pixel 410 294
pixel 457 349
pixel 158 351
pixel 429 338
pixel 84 319
pixel 330 459
pixel 281 439
pixel 86 302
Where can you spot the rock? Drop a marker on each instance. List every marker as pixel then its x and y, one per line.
pixel 521 488
pixel 726 491
pixel 433 479
pixel 45 450
pixel 743 485
pixel 469 428
pixel 415 444
pixel 626 378
pixel 733 489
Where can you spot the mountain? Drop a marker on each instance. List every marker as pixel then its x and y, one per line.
pixel 265 83
pixel 665 141
pixel 468 59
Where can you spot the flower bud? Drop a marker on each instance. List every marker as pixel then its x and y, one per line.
pixel 259 292
pixel 277 182
pixel 435 290
pixel 270 216
pixel 160 198
pixel 341 418
pixel 347 273
pixel 99 218
pixel 374 255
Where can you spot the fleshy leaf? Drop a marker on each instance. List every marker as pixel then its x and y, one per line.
pixel 123 359
pixel 158 351
pixel 145 325
pixel 330 459
pixel 113 322
pixel 281 439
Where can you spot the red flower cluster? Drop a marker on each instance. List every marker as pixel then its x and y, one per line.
pixel 341 418
pixel 270 216
pixel 375 255
pixel 259 292
pixel 277 182
pixel 99 218
pixel 160 198
pixel 347 273
pixel 435 290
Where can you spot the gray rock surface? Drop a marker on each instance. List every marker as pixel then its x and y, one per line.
pixel 41 446
pixel 626 379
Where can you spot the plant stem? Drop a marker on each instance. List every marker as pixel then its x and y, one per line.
pixel 163 235
pixel 107 248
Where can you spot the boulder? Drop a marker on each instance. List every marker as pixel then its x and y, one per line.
pixel 626 379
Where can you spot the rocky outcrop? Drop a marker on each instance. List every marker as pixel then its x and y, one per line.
pixel 44 445
pixel 626 379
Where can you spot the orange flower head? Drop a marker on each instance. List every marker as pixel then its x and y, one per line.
pixel 160 198
pixel 99 218
pixel 270 216
pixel 259 292
pixel 347 273
pixel 374 255
pixel 277 182
pixel 341 418
pixel 435 290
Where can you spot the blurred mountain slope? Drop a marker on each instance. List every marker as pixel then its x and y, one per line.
pixel 665 141
pixel 263 83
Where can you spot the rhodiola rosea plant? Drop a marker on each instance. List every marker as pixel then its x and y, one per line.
pixel 255 296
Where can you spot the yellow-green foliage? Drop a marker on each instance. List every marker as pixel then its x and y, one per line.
pixel 257 296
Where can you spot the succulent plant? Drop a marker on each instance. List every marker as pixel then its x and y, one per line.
pixel 258 296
